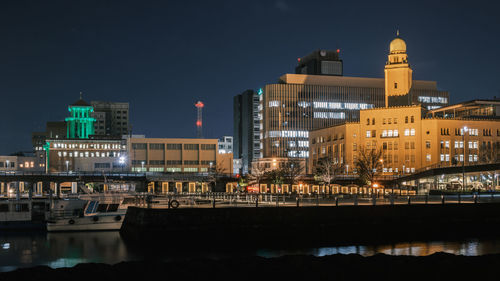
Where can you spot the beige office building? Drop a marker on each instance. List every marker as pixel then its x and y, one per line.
pixel 410 138
pixel 178 155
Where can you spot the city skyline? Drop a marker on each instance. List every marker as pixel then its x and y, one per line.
pixel 162 58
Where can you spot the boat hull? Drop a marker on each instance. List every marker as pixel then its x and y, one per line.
pixel 87 223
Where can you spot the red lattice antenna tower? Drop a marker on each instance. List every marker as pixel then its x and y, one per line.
pixel 199 122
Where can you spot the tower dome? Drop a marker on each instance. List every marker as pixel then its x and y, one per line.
pixel 397 45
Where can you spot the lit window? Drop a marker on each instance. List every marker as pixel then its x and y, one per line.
pixel 368 134
pixel 428 157
pixel 407 132
pixel 412 131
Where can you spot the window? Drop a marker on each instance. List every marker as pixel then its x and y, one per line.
pixel 395 85
pixel 174 162
pixel 406 119
pixel 412 132
pixel 191 162
pixel 208 146
pixel 157 146
pixel 368 134
pixel 407 132
pixel 383 121
pixel 373 121
pixel 191 146
pixel 156 162
pixel 102 165
pixel 396 133
pixel 412 119
pixel 395 120
pixel 427 144
pixel 139 146
pixel 428 158
pixel 174 146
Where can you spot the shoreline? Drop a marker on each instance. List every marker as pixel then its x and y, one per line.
pixel 293 267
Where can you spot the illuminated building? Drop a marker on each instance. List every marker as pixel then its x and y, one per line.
pixel 83 155
pixel 410 138
pixel 178 155
pixel 19 163
pixel 226 145
pixel 80 125
pixel 299 103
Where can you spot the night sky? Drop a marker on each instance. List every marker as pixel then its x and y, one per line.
pixel 163 56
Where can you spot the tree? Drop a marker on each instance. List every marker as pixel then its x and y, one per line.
pixel 368 164
pixel 257 173
pixel 276 176
pixel 216 171
pixel 327 170
pixel 292 170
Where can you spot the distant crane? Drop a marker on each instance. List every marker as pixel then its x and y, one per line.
pixel 199 122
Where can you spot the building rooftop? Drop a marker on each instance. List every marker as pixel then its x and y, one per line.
pixel 325 80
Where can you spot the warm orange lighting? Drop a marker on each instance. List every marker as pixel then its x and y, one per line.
pixel 375 185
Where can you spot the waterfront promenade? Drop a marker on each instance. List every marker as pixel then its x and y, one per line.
pixel 237 200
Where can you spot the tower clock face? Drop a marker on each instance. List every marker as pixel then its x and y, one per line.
pixel 322 53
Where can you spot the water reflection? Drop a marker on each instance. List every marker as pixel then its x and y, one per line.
pixel 466 248
pixel 68 249
pixel 61 249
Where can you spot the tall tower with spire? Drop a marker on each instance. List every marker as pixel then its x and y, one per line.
pixel 80 125
pixel 398 74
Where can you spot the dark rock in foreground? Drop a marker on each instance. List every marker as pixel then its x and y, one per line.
pixel 438 266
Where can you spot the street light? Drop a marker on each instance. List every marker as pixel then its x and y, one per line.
pixel 142 166
pixel 122 162
pixel 465 129
pixel 382 161
pixel 7 162
pixel 67 166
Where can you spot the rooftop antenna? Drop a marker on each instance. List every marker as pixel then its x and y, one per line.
pixel 81 95
pixel 199 122
pixel 397 32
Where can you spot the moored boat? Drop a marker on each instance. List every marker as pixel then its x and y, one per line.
pixel 92 216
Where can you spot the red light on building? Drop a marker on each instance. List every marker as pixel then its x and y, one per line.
pixel 338 50
pixel 252 189
pixel 198 123
pixel 298 59
pixel 199 104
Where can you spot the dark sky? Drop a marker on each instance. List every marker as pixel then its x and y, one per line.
pixel 163 56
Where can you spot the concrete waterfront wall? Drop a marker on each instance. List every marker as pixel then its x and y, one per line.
pixel 312 225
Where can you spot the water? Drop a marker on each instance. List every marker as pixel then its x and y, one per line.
pixel 68 249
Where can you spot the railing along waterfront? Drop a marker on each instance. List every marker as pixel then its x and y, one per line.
pixel 257 200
